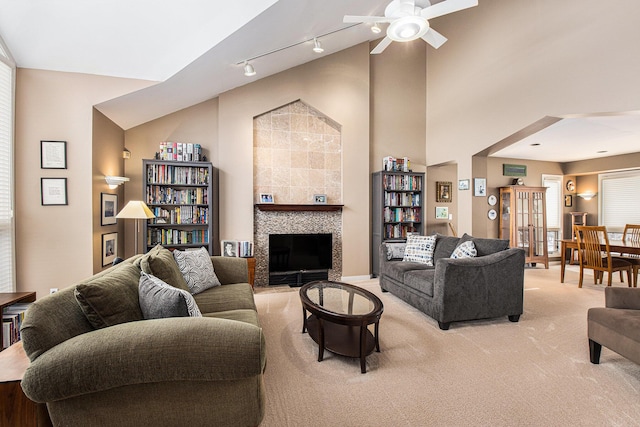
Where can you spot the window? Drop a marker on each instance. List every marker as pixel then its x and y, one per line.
pixel 618 199
pixel 554 212
pixel 7 278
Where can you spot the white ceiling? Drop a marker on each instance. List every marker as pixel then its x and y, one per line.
pixel 194 50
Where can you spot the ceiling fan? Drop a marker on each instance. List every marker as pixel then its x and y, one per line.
pixel 409 20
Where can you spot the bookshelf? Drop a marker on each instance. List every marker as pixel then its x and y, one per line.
pixel 398 201
pixel 184 198
pixel 7 300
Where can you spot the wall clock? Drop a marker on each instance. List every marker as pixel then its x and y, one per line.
pixel 571 186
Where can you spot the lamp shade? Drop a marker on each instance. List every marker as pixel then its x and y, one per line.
pixel 136 209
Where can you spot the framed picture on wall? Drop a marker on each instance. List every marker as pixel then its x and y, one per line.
pixel 108 208
pixel 53 191
pixel 109 248
pixel 442 213
pixel 463 184
pixel 568 201
pixel 479 187
pixel 443 192
pixel 53 154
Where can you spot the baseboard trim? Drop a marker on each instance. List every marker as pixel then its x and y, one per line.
pixel 355 278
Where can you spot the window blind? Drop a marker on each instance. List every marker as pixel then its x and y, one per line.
pixel 7 280
pixel 553 198
pixel 619 202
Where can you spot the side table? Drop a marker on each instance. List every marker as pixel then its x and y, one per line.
pixel 15 408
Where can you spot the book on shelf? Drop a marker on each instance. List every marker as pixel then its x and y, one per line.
pixel 12 318
pixel 180 151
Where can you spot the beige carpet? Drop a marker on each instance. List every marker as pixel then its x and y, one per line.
pixel 483 373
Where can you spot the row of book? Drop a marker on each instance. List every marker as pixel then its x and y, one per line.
pixel 12 317
pixel 402 182
pixel 391 164
pixel 402 215
pixel 168 195
pixel 398 231
pixel 167 236
pixel 402 199
pixel 242 248
pixel 181 175
pixel 180 151
pixel 180 215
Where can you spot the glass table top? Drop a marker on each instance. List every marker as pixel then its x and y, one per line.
pixel 340 298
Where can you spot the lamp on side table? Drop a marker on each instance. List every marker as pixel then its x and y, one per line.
pixel 136 209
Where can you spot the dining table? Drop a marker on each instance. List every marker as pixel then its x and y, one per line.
pixel 617 246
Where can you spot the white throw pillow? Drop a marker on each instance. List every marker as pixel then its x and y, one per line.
pixel 197 269
pixel 465 250
pixel 420 249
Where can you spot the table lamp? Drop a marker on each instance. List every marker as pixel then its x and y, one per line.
pixel 136 209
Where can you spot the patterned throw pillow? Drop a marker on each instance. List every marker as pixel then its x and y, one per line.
pixel 197 269
pixel 395 250
pixel 465 250
pixel 159 300
pixel 420 249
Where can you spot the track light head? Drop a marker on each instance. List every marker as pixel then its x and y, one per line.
pixel 248 69
pixel 317 47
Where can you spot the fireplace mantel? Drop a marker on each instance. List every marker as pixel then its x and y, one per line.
pixel 297 208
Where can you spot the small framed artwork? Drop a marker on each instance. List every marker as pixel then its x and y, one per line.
pixel 443 192
pixel 53 154
pixel 229 248
pixel 568 201
pixel 479 187
pixel 442 213
pixel 463 184
pixel 109 208
pixel 266 198
pixel 319 199
pixel 53 191
pixel 109 248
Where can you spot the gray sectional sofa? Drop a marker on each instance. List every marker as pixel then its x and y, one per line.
pixel 488 285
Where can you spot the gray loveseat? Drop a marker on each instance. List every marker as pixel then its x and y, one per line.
pixel 617 325
pixel 453 290
pixel 176 371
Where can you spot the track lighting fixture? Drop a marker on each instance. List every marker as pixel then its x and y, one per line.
pixel 248 69
pixel 317 47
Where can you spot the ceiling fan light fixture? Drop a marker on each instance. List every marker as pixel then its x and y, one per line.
pixel 407 28
pixel 248 69
pixel 317 47
pixel 375 29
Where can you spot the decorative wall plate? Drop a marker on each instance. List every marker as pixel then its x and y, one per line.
pixel 492 214
pixel 492 200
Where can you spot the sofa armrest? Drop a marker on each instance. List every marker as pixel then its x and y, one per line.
pixel 230 269
pixel 625 298
pixel 485 285
pixel 147 351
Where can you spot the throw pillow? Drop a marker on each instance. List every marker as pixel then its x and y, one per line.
pixel 110 298
pixel 159 262
pixel 395 250
pixel 159 300
pixel 197 269
pixel 420 249
pixel 465 250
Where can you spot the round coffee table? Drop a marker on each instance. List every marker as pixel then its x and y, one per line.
pixel 340 314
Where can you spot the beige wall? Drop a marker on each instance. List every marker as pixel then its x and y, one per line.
pixel 108 143
pixel 197 124
pixel 54 244
pixel 336 85
pixel 508 64
pixel 445 173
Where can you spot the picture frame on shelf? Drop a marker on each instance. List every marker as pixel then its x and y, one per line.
pixel 480 187
pixel 108 208
pixel 443 191
pixel 568 201
pixel 53 191
pixel 53 154
pixel 266 198
pixel 442 212
pixel 229 248
pixel 319 199
pixel 109 248
pixel 463 184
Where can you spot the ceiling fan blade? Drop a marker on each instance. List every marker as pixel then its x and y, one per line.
pixel 434 38
pixel 354 19
pixel 445 7
pixel 381 46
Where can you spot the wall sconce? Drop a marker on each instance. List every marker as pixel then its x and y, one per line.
pixel 126 154
pixel 588 195
pixel 114 181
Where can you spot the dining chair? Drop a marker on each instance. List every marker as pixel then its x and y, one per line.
pixel 594 257
pixel 631 234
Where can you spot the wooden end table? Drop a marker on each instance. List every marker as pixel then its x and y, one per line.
pixel 340 314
